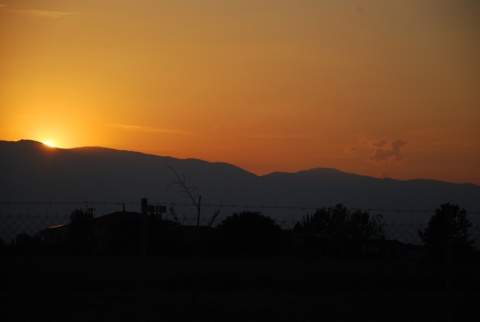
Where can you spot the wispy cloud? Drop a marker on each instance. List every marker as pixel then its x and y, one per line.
pixel 47 13
pixel 380 150
pixel 274 136
pixel 247 131
pixel 138 128
pixel 37 13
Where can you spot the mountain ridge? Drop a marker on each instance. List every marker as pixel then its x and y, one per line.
pixel 33 171
pixel 310 171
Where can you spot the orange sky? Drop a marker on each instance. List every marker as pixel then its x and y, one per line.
pixel 381 88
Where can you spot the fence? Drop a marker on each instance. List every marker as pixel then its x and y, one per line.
pixel 32 217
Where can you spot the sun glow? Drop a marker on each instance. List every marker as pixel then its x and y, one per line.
pixel 50 144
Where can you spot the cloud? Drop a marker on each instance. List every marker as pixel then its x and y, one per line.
pixel 380 150
pixel 47 13
pixel 275 135
pixel 385 153
pixel 362 140
pixel 138 128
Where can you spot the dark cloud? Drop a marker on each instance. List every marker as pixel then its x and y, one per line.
pixel 384 153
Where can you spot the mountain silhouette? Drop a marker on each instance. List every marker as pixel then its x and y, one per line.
pixel 31 171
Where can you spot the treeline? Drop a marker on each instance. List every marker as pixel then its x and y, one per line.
pixel 333 232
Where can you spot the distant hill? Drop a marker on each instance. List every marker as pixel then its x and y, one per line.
pixel 31 171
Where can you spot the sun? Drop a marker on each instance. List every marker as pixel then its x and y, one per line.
pixel 50 144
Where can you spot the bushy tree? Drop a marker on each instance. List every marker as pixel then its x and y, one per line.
pixel 339 223
pixel 449 221
pixel 362 226
pixel 248 234
pixel 336 231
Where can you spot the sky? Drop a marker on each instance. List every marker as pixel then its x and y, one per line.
pixel 373 87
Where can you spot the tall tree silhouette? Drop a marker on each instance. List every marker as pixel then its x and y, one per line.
pixel 449 221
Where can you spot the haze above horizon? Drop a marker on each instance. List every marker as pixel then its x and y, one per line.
pixel 378 88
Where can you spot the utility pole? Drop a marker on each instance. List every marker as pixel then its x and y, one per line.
pixel 198 210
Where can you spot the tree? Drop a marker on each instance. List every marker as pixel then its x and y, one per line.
pixel 190 193
pixel 362 226
pixel 339 223
pixel 248 234
pixel 449 221
pixel 336 231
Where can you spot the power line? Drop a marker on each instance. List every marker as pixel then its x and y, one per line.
pixel 215 205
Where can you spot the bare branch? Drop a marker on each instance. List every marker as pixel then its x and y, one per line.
pixel 189 191
pixel 212 220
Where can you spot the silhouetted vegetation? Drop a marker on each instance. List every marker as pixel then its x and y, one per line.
pixel 337 232
pixel 332 259
pixel 165 238
pixel 340 223
pixel 449 224
pixel 3 247
pixel 248 234
pixel 329 233
pixel 26 244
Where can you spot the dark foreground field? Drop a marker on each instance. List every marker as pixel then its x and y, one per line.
pixel 210 289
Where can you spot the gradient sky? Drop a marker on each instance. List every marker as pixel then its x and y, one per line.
pixel 374 87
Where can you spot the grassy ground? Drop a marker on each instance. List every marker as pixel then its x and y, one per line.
pixel 188 289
